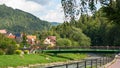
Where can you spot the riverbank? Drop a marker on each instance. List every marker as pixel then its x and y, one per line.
pixel 35 59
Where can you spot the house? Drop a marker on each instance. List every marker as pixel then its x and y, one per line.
pixel 18 37
pixel 10 35
pixel 3 31
pixel 31 39
pixel 50 40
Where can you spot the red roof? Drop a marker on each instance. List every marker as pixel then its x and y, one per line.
pixel 11 36
pixel 31 37
pixel 52 38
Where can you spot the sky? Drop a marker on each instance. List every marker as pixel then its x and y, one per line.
pixel 49 10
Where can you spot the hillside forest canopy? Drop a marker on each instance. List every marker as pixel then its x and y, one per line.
pixel 102 28
pixel 17 21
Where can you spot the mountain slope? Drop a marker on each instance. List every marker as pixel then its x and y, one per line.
pixel 55 23
pixel 15 20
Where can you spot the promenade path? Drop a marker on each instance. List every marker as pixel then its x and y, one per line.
pixel 116 64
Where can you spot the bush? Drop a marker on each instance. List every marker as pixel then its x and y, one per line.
pixel 1 52
pixel 26 51
pixel 74 43
pixel 64 42
pixel 11 49
pixel 81 38
pixel 18 52
pixel 8 45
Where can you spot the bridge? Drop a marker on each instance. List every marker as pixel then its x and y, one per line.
pixel 81 49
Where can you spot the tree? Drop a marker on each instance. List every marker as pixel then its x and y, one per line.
pixel 7 45
pixel 24 40
pixel 63 42
pixel 103 26
pixel 77 37
pixel 73 8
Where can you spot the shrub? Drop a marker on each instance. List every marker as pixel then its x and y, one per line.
pixel 26 51
pixel 11 49
pixel 74 43
pixel 1 52
pixel 18 52
pixel 8 45
pixel 64 42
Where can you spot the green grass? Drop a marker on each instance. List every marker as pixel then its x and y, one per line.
pixel 17 60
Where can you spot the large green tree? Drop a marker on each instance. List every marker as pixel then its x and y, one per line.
pixel 102 27
pixel 72 8
pixel 7 45
pixel 77 37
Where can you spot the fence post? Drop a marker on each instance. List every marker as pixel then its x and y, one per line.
pixel 103 60
pixel 85 63
pixel 109 59
pixel 66 65
pixel 100 62
pixel 106 60
pixel 96 63
pixel 91 63
pixel 77 65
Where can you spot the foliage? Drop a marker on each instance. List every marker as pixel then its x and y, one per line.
pixel 63 42
pixel 7 45
pixel 72 33
pixel 18 52
pixel 55 23
pixel 74 8
pixel 100 29
pixel 26 51
pixel 24 42
pixel 1 52
pixel 74 43
pixel 17 21
pixel 113 11
pixel 10 49
pixel 103 26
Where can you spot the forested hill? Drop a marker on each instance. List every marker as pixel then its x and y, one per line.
pixel 55 23
pixel 15 20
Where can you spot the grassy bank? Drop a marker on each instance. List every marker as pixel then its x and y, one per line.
pixel 17 60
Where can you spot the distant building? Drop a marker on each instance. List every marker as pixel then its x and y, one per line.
pixel 31 39
pixel 50 40
pixel 3 31
pixel 10 35
pixel 18 37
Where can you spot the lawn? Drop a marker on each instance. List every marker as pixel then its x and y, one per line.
pixel 17 60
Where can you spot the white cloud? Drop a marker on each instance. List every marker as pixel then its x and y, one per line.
pixel 24 5
pixel 54 15
pixel 42 2
pixel 50 12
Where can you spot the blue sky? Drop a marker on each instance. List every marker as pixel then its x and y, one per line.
pixel 50 10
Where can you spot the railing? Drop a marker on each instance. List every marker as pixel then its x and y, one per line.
pixel 40 48
pixel 80 47
pixel 91 63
